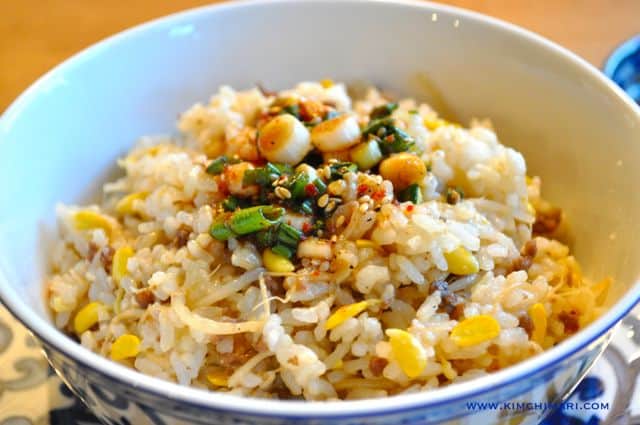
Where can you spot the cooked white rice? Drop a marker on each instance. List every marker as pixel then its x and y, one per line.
pixel 212 314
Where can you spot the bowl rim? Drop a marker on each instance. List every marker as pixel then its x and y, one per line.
pixel 199 398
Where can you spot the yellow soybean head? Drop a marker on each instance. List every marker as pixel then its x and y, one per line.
pixel 346 312
pixel 461 261
pixel 89 220
pixel 119 266
pixel 125 346
pixel 475 330
pixel 407 351
pixel 538 316
pixel 126 204
pixel 326 83
pixel 87 316
pixel 276 263
pixel 434 123
pixel 218 378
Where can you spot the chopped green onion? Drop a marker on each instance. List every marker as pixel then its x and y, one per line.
pixel 282 250
pixel 383 111
pixel 288 235
pixel 266 175
pixel 411 194
pixel 259 176
pixel 391 138
pixel 339 169
pixel 375 125
pixel 300 180
pixel 396 142
pixel 292 110
pixel 230 204
pixel 266 238
pixel 217 165
pixel 220 231
pixel 366 154
pixel 320 185
pixel 281 168
pixel 306 206
pixel 251 220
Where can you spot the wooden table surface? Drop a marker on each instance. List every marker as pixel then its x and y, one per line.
pixel 35 35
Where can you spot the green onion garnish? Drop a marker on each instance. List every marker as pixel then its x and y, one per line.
pixel 339 169
pixel 319 184
pixel 288 235
pixel 390 138
pixel 306 206
pixel 230 204
pixel 401 142
pixel 383 111
pixel 220 231
pixel 292 109
pixel 411 194
pixel 375 125
pixel 266 238
pixel 300 180
pixel 282 250
pixel 251 220
pixel 217 165
pixel 266 175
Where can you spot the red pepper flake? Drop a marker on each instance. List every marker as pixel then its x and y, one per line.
pixel 390 138
pixel 362 189
pixel 378 195
pixel 222 186
pixel 306 227
pixel 409 207
pixel 311 189
pixel 315 273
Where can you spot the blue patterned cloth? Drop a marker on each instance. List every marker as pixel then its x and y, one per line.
pixel 623 67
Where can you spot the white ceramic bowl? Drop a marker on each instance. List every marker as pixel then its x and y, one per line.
pixel 59 140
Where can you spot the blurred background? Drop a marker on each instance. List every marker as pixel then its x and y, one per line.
pixel 35 35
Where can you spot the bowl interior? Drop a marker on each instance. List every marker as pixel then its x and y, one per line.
pixel 60 141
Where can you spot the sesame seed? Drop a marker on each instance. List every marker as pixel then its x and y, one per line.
pixel 334 238
pixel 365 198
pixel 323 201
pixel 331 206
pixel 364 207
pixel 282 192
pixel 340 221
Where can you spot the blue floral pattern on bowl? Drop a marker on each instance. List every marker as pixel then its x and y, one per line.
pixel 24 375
